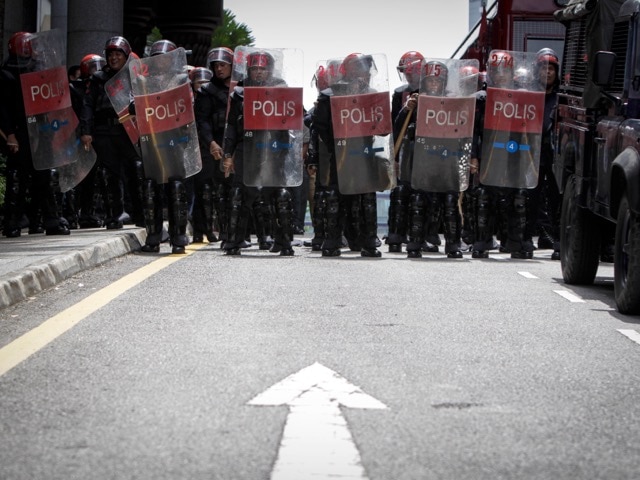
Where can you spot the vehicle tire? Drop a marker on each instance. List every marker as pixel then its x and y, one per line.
pixel 626 265
pixel 579 239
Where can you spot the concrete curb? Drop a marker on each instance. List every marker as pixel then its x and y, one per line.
pixel 40 277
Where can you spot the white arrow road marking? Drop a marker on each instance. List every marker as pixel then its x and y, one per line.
pixel 569 296
pixel 316 442
pixel 631 334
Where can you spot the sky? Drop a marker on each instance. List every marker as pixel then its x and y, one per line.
pixel 336 28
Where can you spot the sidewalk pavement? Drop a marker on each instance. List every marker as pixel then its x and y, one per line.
pixel 32 263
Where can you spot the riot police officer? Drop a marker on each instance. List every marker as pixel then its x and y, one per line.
pixel 499 203
pixel 318 156
pixel 545 198
pixel 360 209
pixel 120 163
pixel 173 194
pixel 409 67
pixel 22 179
pixel 88 193
pixel 260 73
pixel 211 187
pixel 426 206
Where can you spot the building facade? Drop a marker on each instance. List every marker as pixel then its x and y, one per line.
pixel 89 23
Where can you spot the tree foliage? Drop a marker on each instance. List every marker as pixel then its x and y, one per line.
pixel 231 33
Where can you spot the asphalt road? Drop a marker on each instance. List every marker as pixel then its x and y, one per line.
pixel 162 367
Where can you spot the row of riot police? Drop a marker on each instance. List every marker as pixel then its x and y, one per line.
pixel 142 134
pixel 82 136
pixel 217 152
pixel 468 150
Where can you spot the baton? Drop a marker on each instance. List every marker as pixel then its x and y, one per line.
pixel 396 147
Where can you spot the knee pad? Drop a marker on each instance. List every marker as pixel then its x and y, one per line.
pixel 13 182
pixel 319 202
pixel 54 180
pixel 332 208
pixel 139 170
pixel 332 202
pixel 149 193
pixel 434 207
pixel 206 193
pixel 418 214
pixel 369 205
pixel 451 204
pixel 400 195
pixel 235 198
pixel 520 201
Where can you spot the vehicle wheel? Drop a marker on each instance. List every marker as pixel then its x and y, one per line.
pixel 579 239
pixel 626 264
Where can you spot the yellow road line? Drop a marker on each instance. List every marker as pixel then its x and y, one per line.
pixel 32 341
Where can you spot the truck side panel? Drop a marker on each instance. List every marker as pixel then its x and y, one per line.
pixel 574 138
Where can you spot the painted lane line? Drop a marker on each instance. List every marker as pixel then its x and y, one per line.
pixel 631 334
pixel 34 340
pixel 527 275
pixel 316 441
pixel 569 296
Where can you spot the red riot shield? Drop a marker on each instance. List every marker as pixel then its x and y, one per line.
pixel 444 125
pixel 362 136
pixel 273 122
pixel 272 113
pixel 512 138
pixel 513 120
pixel 442 149
pixel 164 113
pixel 51 121
pixel 118 89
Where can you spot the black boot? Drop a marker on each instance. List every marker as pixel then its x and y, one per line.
pixel 397 221
pixel 152 197
pixel 178 215
pixel 332 225
pixel 369 229
pixel 517 243
pixel 417 216
pixel 483 222
pixel 284 221
pixel 114 202
pixel 221 201
pixel 13 204
pixel 452 225
pixel 263 219
pixel 54 222
pixel 319 209
pixel 237 223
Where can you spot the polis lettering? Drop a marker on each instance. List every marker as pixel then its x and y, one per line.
pixel 47 91
pixel 446 117
pixel 361 115
pixel 514 110
pixel 270 108
pixel 162 112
